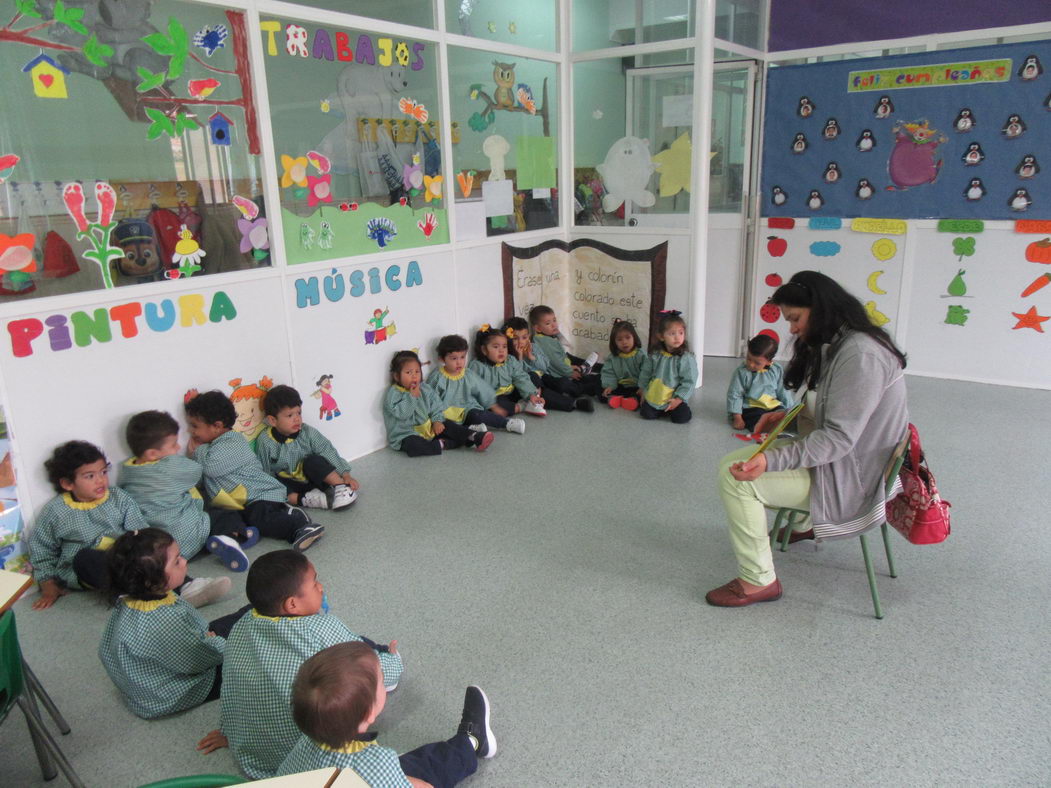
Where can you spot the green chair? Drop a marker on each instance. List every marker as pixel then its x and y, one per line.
pixel 788 518
pixel 19 686
pixel 198 781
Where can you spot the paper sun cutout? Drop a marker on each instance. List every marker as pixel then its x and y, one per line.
pixel 673 165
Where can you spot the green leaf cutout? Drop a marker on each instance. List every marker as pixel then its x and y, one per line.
pixel 159 43
pixel 149 80
pixel 97 52
pixel 184 122
pixel 162 124
pixel 27 8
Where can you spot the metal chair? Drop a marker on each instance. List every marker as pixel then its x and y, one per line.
pixel 788 518
pixel 19 685
pixel 198 781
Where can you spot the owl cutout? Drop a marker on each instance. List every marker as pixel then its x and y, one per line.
pixel 504 76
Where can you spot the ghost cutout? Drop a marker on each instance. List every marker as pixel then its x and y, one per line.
pixel 496 148
pixel 625 174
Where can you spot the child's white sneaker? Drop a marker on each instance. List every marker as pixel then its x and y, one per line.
pixel 516 425
pixel 534 409
pixel 477 428
pixel 342 497
pixel 314 499
pixel 203 591
pixel 227 550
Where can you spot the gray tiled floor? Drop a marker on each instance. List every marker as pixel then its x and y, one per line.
pixel 564 571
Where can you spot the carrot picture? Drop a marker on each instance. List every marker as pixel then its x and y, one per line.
pixel 1041 281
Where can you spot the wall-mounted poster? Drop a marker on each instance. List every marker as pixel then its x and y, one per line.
pixel 953 134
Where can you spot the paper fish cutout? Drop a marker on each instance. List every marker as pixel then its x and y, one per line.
pixel 248 209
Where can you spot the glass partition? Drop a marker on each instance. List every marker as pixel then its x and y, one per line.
pixel 505 133
pixel 598 24
pixel 405 12
pixel 129 148
pixel 507 21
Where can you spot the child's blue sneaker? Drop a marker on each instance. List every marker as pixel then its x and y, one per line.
pixel 227 550
pixel 249 537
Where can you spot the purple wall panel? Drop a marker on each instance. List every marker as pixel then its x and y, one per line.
pixel 798 24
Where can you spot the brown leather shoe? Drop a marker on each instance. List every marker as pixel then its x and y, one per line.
pixel 797 536
pixel 733 595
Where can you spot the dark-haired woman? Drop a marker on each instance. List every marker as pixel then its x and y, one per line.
pixel 850 373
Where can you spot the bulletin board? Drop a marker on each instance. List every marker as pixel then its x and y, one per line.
pixel 933 135
pixel 588 284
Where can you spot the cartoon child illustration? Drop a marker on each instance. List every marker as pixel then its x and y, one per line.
pixel 248 402
pixel 329 407
pixel 376 321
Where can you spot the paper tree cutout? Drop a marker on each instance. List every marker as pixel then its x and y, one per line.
pixel 673 165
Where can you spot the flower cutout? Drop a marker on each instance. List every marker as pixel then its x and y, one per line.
pixel 432 187
pixel 187 250
pixel 320 189
pixel 254 234
pixel 16 253
pixel 295 171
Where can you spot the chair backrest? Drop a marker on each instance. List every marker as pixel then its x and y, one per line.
pixel 12 680
pixel 897 459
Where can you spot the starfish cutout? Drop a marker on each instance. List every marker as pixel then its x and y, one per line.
pixel 1031 320
pixel 673 165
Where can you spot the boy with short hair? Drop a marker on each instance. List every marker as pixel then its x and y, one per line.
pixel 301 458
pixel 233 477
pixel 566 374
pixel 466 398
pixel 263 652
pixel 757 387
pixel 164 485
pixel 338 694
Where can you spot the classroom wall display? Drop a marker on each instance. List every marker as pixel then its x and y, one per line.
pixel 14 553
pixel 81 372
pixel 333 317
pixel 128 178
pixel 360 160
pixel 946 134
pixel 588 284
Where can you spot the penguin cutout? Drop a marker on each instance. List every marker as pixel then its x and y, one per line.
pixel 1020 201
pixel 778 196
pixel 884 108
pixel 1030 68
pixel 864 190
pixel 831 129
pixel 1014 127
pixel 964 120
pixel 973 155
pixel 1027 167
pixel 831 172
pixel 814 201
pixel 1047 102
pixel 806 107
pixel 799 143
pixel 866 142
pixel 975 190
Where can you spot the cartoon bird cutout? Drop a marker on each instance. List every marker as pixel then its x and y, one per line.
pixel 1020 201
pixel 814 201
pixel 778 196
pixel 831 130
pixel 975 190
pixel 1030 68
pixel 964 120
pixel 202 88
pixel 504 76
pixel 866 141
pixel 1014 127
pixel 864 190
pixel 524 94
pixel 884 108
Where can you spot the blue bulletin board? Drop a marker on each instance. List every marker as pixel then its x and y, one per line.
pixel 934 135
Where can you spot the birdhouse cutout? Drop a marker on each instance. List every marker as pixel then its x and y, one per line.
pixel 49 78
pixel 219 127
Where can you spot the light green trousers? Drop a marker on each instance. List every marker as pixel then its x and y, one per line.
pixel 746 504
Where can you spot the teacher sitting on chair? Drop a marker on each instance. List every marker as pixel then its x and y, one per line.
pixel 849 372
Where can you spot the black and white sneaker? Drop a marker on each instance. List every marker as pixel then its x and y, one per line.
pixel 475 722
pixel 306 536
pixel 585 404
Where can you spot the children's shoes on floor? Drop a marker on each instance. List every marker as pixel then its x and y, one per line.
pixel 477 428
pixel 483 440
pixel 306 536
pixel 314 499
pixel 342 497
pixel 475 722
pixel 629 403
pixel 515 425
pixel 585 404
pixel 534 409
pixel 227 550
pixel 615 401
pixel 203 591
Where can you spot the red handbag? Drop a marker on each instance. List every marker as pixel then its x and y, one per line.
pixel 918 512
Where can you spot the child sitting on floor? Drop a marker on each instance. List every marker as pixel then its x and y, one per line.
pixel 466 398
pixel 338 693
pixel 757 387
pixel 301 457
pixel 412 414
pixel 506 374
pixel 562 374
pixel 164 485
pixel 620 372
pixel 536 364
pixel 75 528
pixel 156 648
pixel 669 372
pixel 265 649
pixel 234 479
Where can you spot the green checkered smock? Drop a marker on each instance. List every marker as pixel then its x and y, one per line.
pixel 376 765
pixel 281 455
pixel 405 415
pixel 159 655
pixel 461 393
pixel 233 476
pixel 505 377
pixel 558 365
pixel 622 369
pixel 65 526
pixel 664 376
pixel 166 492
pixel 263 655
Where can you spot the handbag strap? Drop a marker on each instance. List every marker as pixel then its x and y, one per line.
pixel 915 450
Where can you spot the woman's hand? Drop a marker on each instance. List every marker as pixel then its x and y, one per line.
pixel 750 470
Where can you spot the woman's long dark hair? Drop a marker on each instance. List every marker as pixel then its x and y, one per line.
pixel 832 309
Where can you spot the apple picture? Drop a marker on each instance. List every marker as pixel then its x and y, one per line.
pixel 776 246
